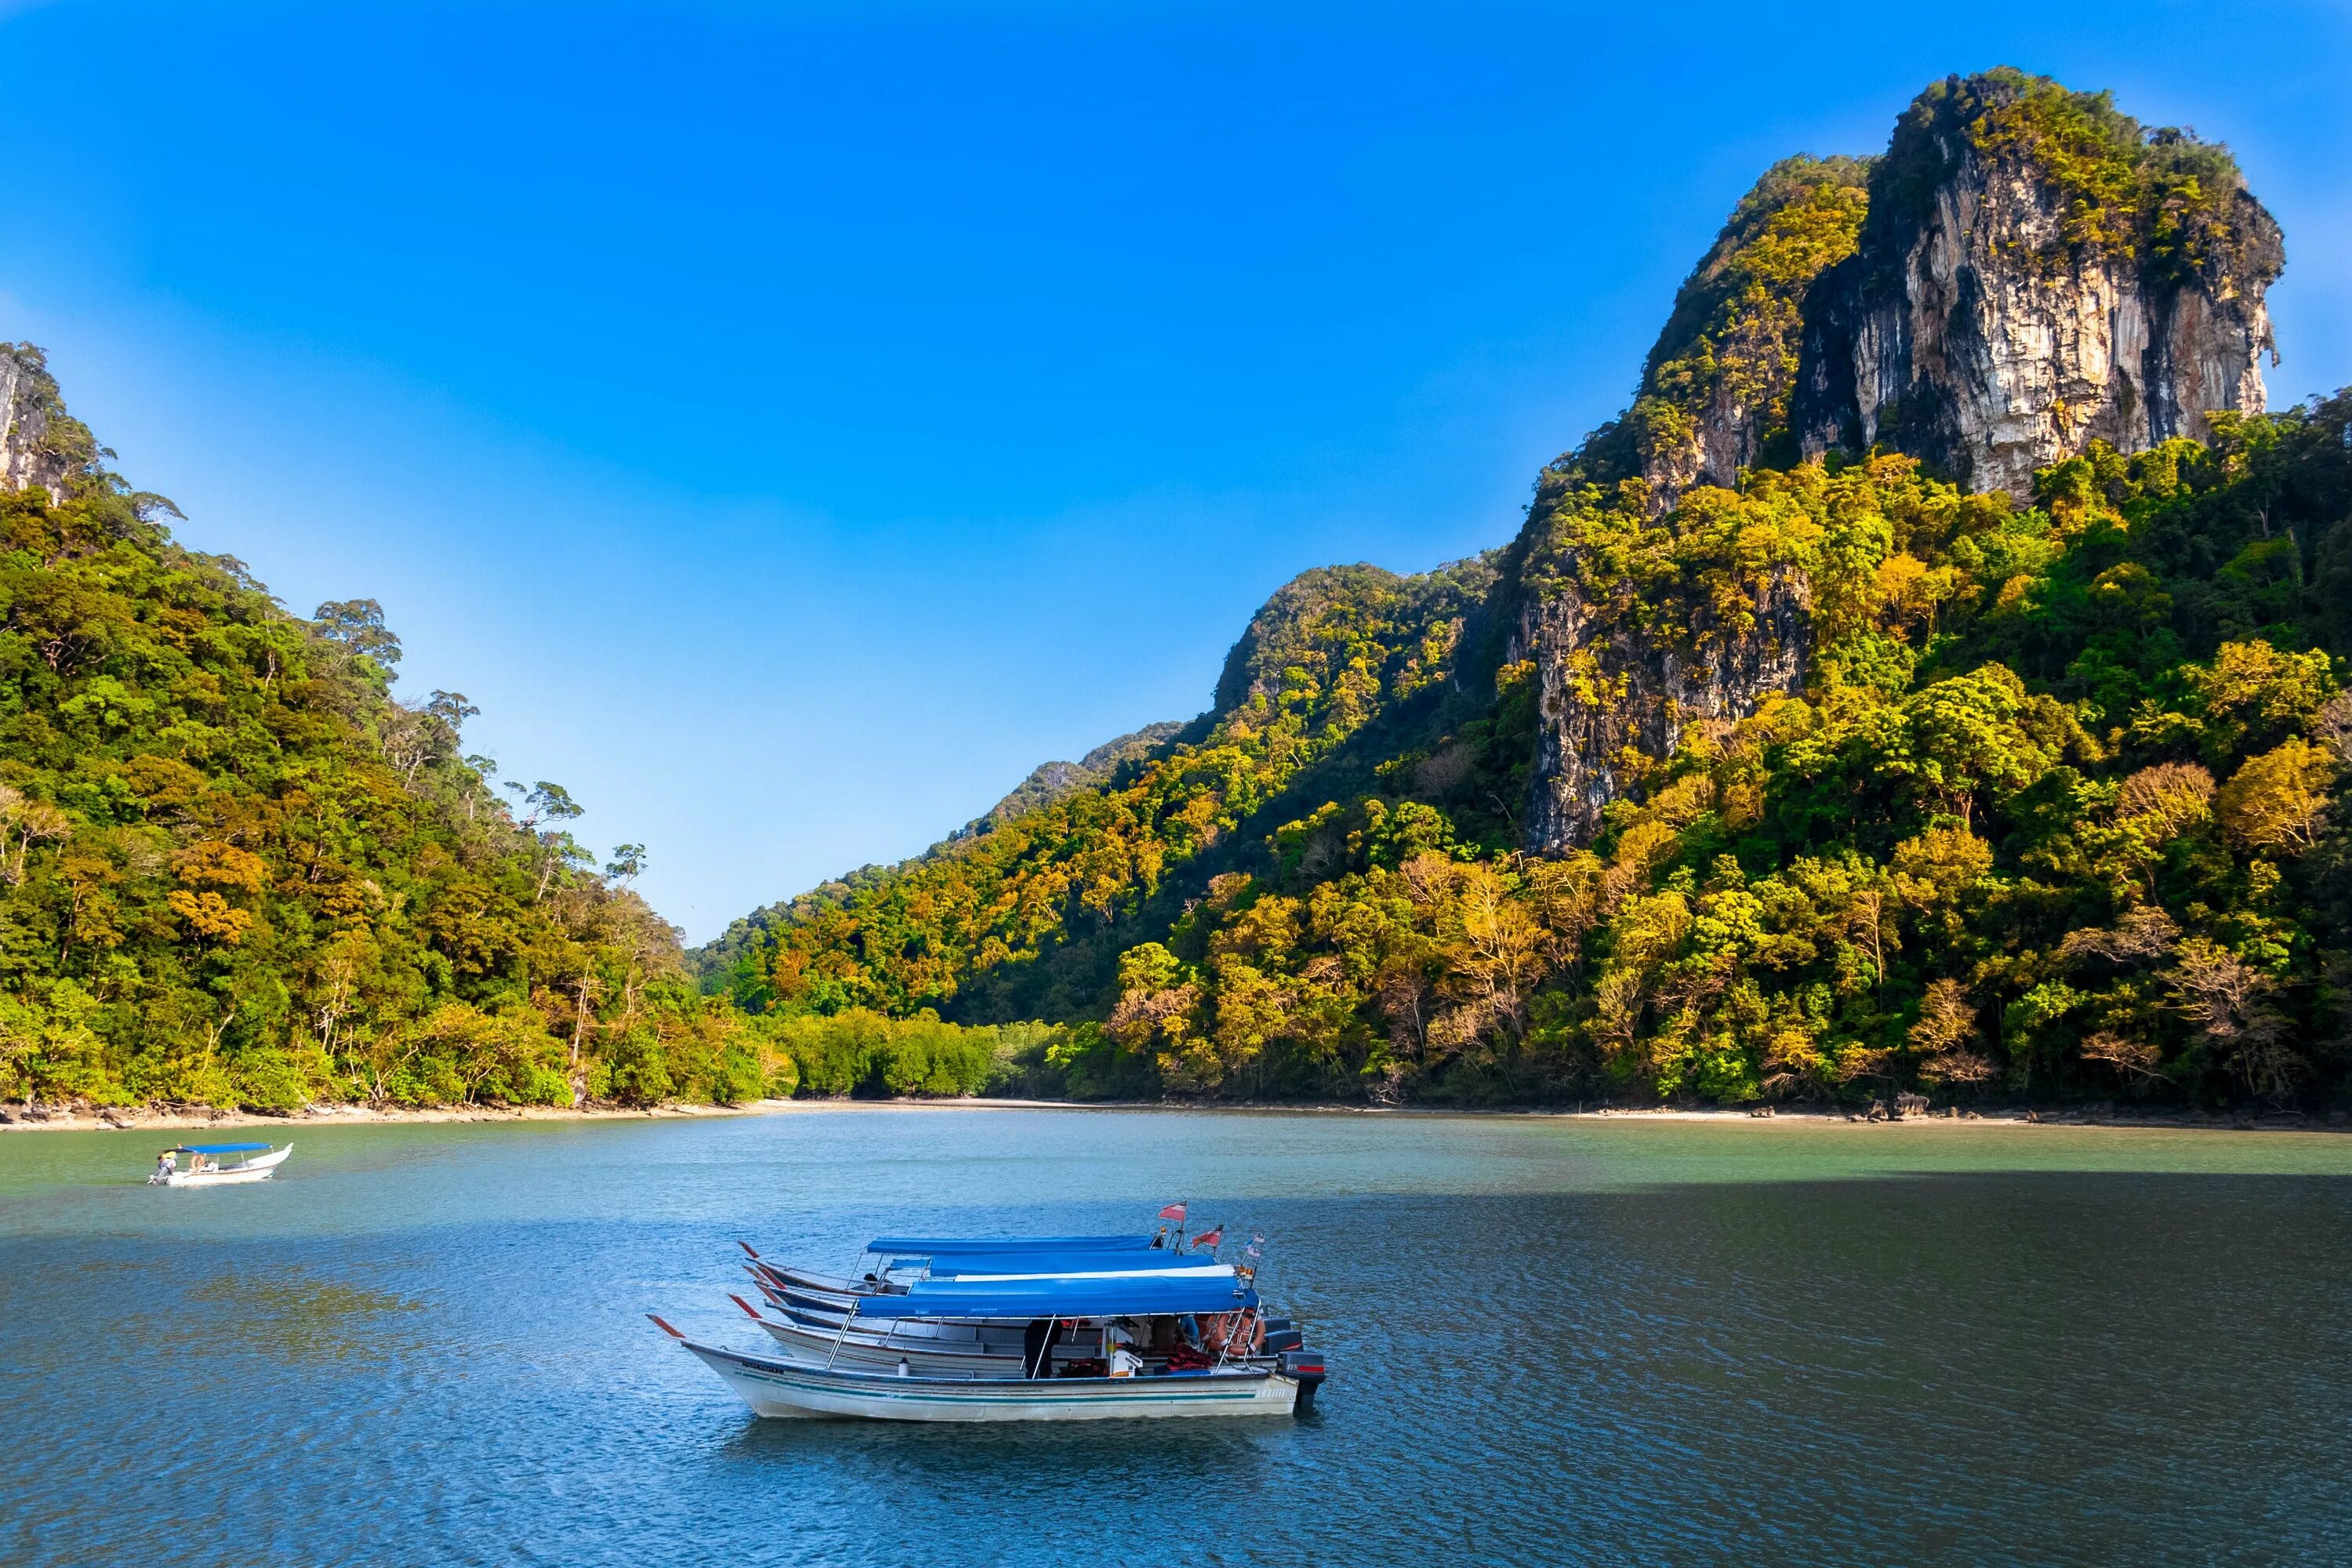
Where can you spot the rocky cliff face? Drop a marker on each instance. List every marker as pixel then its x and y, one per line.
pixel 2025 271
pixel 1609 695
pixel 40 444
pixel 1713 400
pixel 2035 273
pixel 1714 397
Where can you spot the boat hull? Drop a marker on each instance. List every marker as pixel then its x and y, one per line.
pixel 214 1178
pixel 787 1390
pixel 875 1350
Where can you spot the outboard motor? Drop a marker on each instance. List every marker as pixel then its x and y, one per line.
pixel 1307 1366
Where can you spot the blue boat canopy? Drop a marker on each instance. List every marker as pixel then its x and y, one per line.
pixel 1026 1298
pixel 216 1148
pixel 953 1265
pixel 970 1245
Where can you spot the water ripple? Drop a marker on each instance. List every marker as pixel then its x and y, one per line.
pixel 1549 1347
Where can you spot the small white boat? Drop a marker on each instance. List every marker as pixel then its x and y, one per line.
pixel 204 1168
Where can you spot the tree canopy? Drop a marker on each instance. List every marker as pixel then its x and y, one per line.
pixel 239 872
pixel 2057 813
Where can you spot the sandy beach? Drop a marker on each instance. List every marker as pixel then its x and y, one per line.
pixel 147 1119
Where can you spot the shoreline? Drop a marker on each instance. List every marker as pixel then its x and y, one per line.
pixel 137 1120
pixel 145 1119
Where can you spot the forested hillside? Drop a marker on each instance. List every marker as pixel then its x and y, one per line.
pixel 1933 680
pixel 1778 756
pixel 238 871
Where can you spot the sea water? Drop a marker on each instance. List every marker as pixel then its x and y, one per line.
pixel 1551 1340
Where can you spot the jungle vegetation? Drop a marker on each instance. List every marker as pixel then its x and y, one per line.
pixel 2057 814
pixel 241 872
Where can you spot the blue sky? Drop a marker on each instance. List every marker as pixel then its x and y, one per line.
pixel 791 424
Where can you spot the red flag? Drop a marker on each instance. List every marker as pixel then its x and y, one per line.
pixel 1208 1239
pixel 1174 1212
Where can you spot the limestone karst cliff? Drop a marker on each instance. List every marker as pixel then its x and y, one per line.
pixel 1612 696
pixel 41 446
pixel 1715 391
pixel 1793 747
pixel 2037 272
pixel 2025 271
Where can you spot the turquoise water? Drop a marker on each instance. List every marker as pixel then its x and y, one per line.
pixel 1551 1341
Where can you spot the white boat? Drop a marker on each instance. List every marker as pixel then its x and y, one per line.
pixel 776 1387
pixel 204 1168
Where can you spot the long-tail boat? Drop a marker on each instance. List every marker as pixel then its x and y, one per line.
pixel 1149 1340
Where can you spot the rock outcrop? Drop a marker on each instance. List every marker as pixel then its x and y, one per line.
pixel 2035 273
pixel 1714 392
pixel 2025 271
pixel 41 446
pixel 1050 782
pixel 1609 695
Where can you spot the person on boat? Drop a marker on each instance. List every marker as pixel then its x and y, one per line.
pixel 1232 1333
pixel 166 1167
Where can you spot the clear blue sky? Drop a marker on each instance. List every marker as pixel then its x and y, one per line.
pixel 791 424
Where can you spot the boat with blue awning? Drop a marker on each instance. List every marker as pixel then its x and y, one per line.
pixel 1089 1348
pixel 205 1167
pixel 889 1260
pixel 813 1321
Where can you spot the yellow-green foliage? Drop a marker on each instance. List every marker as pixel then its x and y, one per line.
pixel 2057 812
pixel 862 1052
pixel 1320 664
pixel 234 871
pixel 1985 850
pixel 1733 334
pixel 2124 190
